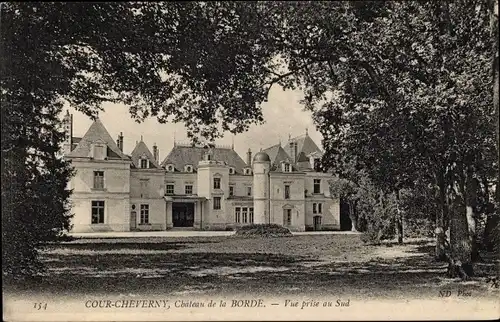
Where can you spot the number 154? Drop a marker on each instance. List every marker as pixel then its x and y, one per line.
pixel 40 306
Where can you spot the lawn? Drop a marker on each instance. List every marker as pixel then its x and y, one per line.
pixel 308 265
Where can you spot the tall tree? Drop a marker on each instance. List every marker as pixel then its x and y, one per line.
pixel 197 63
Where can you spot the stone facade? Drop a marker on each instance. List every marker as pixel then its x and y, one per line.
pixel 207 188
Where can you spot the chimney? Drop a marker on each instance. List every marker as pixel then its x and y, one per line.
pixel 68 132
pixel 249 157
pixel 156 153
pixel 119 142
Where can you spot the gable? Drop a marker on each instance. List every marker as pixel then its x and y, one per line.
pixel 97 133
pixel 141 151
pixel 277 155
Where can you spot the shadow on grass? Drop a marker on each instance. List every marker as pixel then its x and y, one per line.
pixel 163 273
pixel 122 246
pixel 171 273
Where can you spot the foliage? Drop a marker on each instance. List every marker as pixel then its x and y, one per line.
pixel 378 209
pixel 400 90
pixel 262 230
pixel 87 53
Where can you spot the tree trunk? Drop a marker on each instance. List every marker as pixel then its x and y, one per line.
pixel 460 255
pixel 399 220
pixel 470 206
pixel 440 229
pixel 492 221
pixel 496 75
pixel 352 216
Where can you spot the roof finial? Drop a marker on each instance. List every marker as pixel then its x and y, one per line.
pixel 307 132
pixel 141 138
pixel 289 136
pixel 279 140
pixel 174 137
pixel 232 143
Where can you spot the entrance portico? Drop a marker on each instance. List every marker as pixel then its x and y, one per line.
pixel 184 211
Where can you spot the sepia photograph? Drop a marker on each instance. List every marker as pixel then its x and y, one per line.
pixel 250 160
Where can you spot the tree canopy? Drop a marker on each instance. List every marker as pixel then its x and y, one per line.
pixel 399 90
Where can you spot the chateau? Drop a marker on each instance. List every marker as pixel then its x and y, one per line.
pixel 194 187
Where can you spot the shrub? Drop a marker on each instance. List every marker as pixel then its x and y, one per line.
pixel 263 230
pixel 378 210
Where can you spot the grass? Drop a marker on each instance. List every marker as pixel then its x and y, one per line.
pixel 305 265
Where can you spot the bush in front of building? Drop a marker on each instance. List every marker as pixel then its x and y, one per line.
pixel 263 230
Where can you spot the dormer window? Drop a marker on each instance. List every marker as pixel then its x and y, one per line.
pixel 188 168
pixel 98 151
pixel 231 170
pixel 144 163
pixel 170 167
pixel 247 171
pixel 287 167
pixel 216 183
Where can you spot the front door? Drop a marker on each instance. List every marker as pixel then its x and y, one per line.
pixel 317 222
pixel 183 214
pixel 133 220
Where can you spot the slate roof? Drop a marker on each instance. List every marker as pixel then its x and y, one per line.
pixel 182 155
pixel 95 132
pixel 304 144
pixel 140 150
pixel 74 142
pixel 277 155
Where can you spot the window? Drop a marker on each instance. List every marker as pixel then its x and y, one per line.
pixel 247 171
pixel 315 211
pixel 317 185
pixel 144 188
pixel 170 189
pixel 287 192
pixel 249 191
pixel 99 151
pixel 287 217
pixel 231 190
pixel 170 168
pixel 97 212
pixel 250 215
pixel 216 183
pixel 144 163
pixel 216 202
pixel 244 215
pixel 320 208
pixel 188 168
pixel 98 179
pixel 287 167
pixel 144 214
pixel 237 212
pixel 188 189
pixel 231 170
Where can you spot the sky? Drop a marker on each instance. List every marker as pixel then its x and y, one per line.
pixel 283 115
